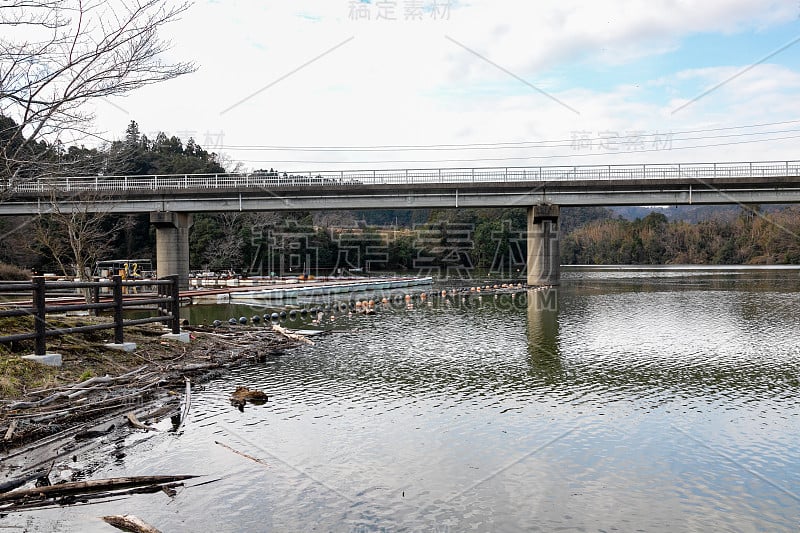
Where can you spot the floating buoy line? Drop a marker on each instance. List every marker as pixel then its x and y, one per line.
pixel 317 313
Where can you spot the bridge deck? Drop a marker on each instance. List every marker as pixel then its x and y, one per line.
pixel 704 183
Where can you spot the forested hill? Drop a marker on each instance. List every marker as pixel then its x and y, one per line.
pixel 751 237
pixel 43 243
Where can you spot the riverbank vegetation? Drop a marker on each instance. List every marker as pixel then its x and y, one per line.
pixel 751 237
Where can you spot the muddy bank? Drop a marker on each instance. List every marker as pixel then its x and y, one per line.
pixel 52 416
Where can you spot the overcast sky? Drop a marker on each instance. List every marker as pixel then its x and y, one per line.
pixel 584 82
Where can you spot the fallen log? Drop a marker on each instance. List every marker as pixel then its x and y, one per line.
pixel 81 388
pixel 100 405
pixel 92 485
pixel 129 522
pixel 86 499
pixel 165 411
pixel 293 336
pixel 192 367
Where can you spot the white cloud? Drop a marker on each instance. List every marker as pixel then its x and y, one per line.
pixel 404 82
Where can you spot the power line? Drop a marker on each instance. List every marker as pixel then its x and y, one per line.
pixel 520 158
pixel 474 146
pixel 619 141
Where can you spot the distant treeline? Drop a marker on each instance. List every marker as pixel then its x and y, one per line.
pixel 452 240
pixel 752 237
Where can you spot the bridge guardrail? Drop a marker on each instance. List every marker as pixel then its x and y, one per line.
pixel 762 169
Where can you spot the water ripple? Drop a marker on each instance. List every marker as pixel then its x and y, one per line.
pixel 653 400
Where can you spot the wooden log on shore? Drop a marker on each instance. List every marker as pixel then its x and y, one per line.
pixel 92 485
pixel 87 499
pixel 78 390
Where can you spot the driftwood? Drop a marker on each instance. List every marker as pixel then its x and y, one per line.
pixel 80 389
pixel 187 405
pixel 161 412
pixel 49 414
pixel 131 416
pixel 129 522
pixel 193 367
pixel 10 432
pixel 293 336
pixel 94 433
pixel 89 486
pixel 257 460
pixel 101 405
pixel 86 499
pixel 13 483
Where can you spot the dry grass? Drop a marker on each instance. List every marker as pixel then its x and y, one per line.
pixel 13 273
pixel 83 355
pixel 17 376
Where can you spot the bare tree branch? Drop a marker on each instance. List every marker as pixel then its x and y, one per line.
pixel 77 237
pixel 58 55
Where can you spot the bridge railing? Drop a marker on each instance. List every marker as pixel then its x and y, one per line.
pixel 760 169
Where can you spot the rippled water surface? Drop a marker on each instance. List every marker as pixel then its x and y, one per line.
pixel 625 400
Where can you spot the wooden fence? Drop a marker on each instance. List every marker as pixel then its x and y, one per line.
pixel 166 299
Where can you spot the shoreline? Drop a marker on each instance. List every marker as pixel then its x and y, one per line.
pixel 109 393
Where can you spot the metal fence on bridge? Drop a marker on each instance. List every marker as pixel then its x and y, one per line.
pixel 356 178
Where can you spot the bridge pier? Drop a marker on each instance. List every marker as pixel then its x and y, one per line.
pixel 544 262
pixel 172 244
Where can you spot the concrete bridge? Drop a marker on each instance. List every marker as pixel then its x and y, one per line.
pixel 171 199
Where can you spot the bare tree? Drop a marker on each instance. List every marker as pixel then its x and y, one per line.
pixel 78 235
pixel 58 55
pixel 334 219
pixel 227 251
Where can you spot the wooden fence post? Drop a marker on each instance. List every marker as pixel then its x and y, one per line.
pixel 118 335
pixel 175 304
pixel 40 326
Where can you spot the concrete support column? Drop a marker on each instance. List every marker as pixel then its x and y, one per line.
pixel 544 262
pixel 172 244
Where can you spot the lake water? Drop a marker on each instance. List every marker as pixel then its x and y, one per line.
pixel 624 400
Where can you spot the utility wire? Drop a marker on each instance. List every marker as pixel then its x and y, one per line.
pixel 469 146
pixel 520 158
pixel 618 141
